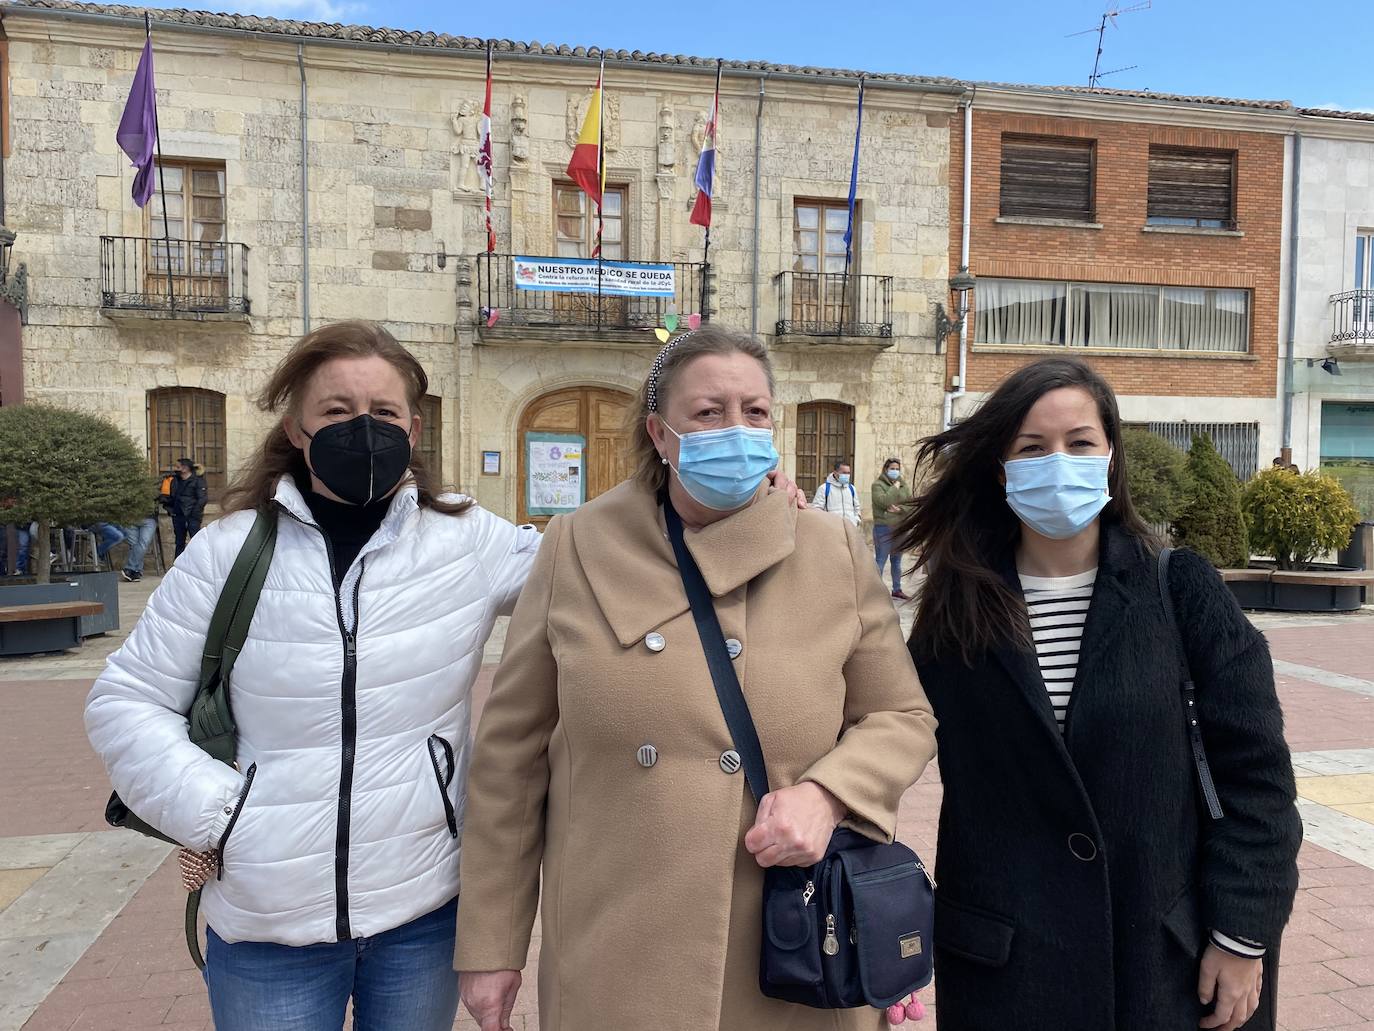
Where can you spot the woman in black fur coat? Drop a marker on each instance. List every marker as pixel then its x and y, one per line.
pixel 1084 881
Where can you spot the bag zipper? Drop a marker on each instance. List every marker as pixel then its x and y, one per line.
pixel 233 819
pixel 893 873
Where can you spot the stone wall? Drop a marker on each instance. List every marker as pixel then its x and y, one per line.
pixel 394 220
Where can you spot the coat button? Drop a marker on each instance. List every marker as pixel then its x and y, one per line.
pixel 648 755
pixel 1082 847
pixel 655 642
pixel 730 761
pixel 734 648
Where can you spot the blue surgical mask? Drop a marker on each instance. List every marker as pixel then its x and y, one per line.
pixel 894 474
pixel 722 469
pixel 844 478
pixel 1058 495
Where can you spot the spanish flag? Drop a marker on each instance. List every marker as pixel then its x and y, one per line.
pixel 585 168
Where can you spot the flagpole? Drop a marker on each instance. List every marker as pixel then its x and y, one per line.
pixel 601 175
pixel 853 186
pixel 161 179
pixel 706 250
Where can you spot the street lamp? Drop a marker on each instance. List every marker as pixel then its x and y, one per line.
pixel 961 285
pixel 6 248
pixel 14 289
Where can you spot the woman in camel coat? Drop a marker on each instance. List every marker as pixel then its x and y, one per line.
pixel 603 761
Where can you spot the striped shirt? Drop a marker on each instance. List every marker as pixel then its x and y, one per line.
pixel 1058 606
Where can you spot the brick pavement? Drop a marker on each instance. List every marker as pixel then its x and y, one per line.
pixel 135 975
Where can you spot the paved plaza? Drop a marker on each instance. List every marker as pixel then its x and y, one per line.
pixel 91 919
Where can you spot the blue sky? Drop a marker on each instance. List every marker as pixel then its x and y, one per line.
pixel 1316 53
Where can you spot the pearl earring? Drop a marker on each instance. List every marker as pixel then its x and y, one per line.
pixel 664 461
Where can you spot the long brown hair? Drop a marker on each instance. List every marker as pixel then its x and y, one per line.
pixel 649 470
pixel 278 457
pixel 961 529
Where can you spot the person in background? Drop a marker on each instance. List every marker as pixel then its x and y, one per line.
pixel 107 536
pixel 187 504
pixel 140 535
pixel 838 496
pixel 20 565
pixel 890 494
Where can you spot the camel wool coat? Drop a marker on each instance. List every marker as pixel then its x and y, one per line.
pixel 652 907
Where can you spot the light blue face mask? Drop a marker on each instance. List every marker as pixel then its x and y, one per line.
pixel 844 478
pixel 722 469
pixel 1058 495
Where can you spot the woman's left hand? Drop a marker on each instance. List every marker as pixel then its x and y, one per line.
pixel 794 825
pixel 1234 982
pixel 780 481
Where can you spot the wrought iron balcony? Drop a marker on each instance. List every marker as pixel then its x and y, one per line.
pixel 834 304
pixel 190 278
pixel 504 299
pixel 1352 324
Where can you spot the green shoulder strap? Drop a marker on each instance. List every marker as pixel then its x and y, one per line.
pixel 212 719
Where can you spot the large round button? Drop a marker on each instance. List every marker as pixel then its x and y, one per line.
pixel 1082 847
pixel 647 755
pixel 734 648
pixel 655 642
pixel 730 761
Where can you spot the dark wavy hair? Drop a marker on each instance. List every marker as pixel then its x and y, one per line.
pixel 961 529
pixel 278 457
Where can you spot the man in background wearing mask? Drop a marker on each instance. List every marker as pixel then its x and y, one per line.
pixel 890 495
pixel 188 498
pixel 837 494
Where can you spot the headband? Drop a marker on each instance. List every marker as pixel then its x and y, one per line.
pixel 656 369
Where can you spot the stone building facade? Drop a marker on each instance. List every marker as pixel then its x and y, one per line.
pixel 392 229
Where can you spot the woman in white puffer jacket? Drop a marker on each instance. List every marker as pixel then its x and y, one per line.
pixel 334 852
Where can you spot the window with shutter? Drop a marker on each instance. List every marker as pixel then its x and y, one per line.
pixel 186 422
pixel 1048 177
pixel 1192 188
pixel 430 447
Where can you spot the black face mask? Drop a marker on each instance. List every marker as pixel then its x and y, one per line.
pixel 360 460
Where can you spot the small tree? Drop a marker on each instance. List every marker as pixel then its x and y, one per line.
pixel 1210 521
pixel 65 468
pixel 1156 474
pixel 1297 516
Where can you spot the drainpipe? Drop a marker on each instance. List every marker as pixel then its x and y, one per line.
pixel 754 274
pixel 305 195
pixel 1290 343
pixel 962 388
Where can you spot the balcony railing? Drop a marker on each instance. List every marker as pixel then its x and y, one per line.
pixel 503 303
pixel 1352 319
pixel 173 276
pixel 834 304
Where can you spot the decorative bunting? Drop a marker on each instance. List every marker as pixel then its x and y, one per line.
pixel 694 320
pixel 671 322
pixel 663 335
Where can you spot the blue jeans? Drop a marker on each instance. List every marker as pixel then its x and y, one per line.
pixel 883 537
pixel 139 536
pixel 20 566
pixel 399 980
pixel 108 536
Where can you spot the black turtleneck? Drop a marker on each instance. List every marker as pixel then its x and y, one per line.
pixel 348 527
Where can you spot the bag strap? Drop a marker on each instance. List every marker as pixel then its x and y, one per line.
pixel 728 692
pixel 211 720
pixel 1204 769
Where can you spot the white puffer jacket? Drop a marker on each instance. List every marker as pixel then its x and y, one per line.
pixel 352 713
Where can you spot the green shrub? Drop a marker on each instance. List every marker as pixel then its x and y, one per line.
pixel 64 468
pixel 1155 473
pixel 1210 521
pixel 1296 517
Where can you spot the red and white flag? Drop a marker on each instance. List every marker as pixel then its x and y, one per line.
pixel 484 162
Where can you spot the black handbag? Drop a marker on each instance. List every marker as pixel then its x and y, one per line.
pixel 857 928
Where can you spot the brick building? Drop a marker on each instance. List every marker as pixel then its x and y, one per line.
pixel 321 172
pixel 1142 232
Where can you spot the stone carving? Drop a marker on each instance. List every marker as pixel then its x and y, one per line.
pixel 519 130
pixel 464 149
pixel 667 151
pixel 699 131
pixel 610 128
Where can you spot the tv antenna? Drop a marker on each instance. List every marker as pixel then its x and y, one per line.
pixel 1108 18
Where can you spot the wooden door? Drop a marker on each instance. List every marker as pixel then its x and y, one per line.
pixel 595 414
pixel 825 435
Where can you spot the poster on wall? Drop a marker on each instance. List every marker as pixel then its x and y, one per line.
pixel 555 473
pixel 582 275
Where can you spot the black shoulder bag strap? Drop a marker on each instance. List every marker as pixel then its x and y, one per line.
pixel 212 725
pixel 1204 771
pixel 728 692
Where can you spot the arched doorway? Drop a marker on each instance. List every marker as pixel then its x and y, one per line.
pixel 592 418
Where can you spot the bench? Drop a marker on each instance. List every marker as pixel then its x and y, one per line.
pixel 43 626
pixel 1300 590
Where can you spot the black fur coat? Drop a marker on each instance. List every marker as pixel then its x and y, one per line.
pixel 1079 875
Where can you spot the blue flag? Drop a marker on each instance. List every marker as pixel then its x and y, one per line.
pixel 854 182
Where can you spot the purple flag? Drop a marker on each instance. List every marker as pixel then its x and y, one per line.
pixel 137 132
